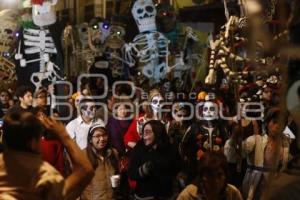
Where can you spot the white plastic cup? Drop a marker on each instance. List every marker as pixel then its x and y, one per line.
pixel 115 181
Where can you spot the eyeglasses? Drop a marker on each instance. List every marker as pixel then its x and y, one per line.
pixel 99 136
pixel 148 132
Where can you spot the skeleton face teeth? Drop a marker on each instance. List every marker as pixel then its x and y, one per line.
pixel 210 111
pixel 144 14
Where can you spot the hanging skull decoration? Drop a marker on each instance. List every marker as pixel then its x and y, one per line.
pixel 210 111
pixel 144 14
pixel 156 102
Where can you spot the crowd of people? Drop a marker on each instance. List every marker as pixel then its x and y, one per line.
pixel 163 149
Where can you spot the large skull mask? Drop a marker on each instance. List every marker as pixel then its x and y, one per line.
pixel 43 13
pixel 144 13
pixel 210 111
pixel 156 103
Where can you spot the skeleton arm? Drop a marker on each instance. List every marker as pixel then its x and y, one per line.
pixel 128 54
pixel 211 77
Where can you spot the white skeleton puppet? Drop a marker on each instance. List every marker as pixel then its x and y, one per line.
pixel 8 37
pixel 150 47
pixel 39 49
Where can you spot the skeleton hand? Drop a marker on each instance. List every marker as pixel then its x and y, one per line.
pixel 191 34
pixel 232 23
pixel 127 49
pixel 211 78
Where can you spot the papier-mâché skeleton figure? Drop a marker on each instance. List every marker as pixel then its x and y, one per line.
pixel 98 31
pixel 86 41
pixel 222 53
pixel 8 36
pixel 150 47
pixel 113 49
pixel 37 45
pixel 223 49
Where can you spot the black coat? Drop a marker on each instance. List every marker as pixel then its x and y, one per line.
pixel 162 167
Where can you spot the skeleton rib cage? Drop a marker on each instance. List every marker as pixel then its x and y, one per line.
pixel 147 47
pixel 38 41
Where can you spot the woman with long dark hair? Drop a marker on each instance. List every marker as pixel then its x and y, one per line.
pixel 105 162
pixel 154 163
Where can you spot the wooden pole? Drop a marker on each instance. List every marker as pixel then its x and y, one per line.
pixel 104 9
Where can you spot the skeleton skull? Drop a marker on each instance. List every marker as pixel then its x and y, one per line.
pixel 83 34
pixel 117 31
pixel 156 103
pixel 44 14
pixel 104 28
pixel 210 111
pixel 144 13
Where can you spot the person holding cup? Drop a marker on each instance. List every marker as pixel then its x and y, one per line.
pixel 105 161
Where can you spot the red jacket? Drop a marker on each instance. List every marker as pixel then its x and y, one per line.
pixel 132 134
pixel 52 152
